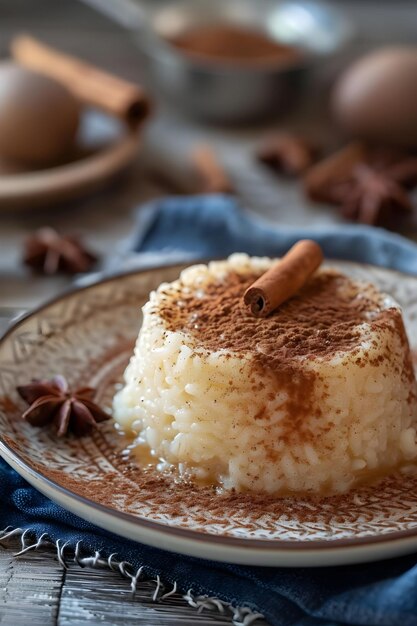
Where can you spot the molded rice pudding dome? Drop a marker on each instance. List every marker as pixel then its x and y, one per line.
pixel 315 398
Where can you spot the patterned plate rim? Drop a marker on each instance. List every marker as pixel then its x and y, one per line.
pixel 272 545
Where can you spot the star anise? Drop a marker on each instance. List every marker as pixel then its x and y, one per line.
pixel 404 172
pixel 370 196
pixel 396 164
pixel 51 401
pixel 48 252
pixel 286 154
pixel 336 168
pixel 369 184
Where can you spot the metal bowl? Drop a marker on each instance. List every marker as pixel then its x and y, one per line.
pixel 237 93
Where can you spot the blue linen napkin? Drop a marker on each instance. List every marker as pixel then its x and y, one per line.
pixel 215 226
pixel 376 594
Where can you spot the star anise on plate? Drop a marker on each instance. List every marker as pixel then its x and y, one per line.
pixel 370 196
pixel 286 154
pixel 48 252
pixel 51 401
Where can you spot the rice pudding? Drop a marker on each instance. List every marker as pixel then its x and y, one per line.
pixel 315 398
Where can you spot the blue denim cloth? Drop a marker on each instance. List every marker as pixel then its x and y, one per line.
pixel 376 594
pixel 215 226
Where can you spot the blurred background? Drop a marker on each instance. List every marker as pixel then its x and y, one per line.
pixel 304 111
pixel 260 113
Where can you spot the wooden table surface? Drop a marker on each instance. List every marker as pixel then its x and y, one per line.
pixel 34 588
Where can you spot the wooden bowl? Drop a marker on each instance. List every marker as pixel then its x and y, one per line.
pixel 104 148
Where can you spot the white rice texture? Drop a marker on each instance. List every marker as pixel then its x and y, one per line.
pixel 178 403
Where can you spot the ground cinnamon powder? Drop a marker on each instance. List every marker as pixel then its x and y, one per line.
pixel 231 43
pixel 323 318
pixel 195 504
pixel 318 321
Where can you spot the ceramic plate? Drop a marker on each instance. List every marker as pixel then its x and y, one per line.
pixel 87 336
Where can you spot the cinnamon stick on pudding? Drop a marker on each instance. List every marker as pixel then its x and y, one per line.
pixel 89 84
pixel 283 279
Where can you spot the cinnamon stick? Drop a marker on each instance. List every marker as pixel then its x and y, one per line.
pixel 284 278
pixel 211 176
pixel 88 83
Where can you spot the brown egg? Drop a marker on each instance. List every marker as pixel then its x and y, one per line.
pixel 38 117
pixel 376 98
